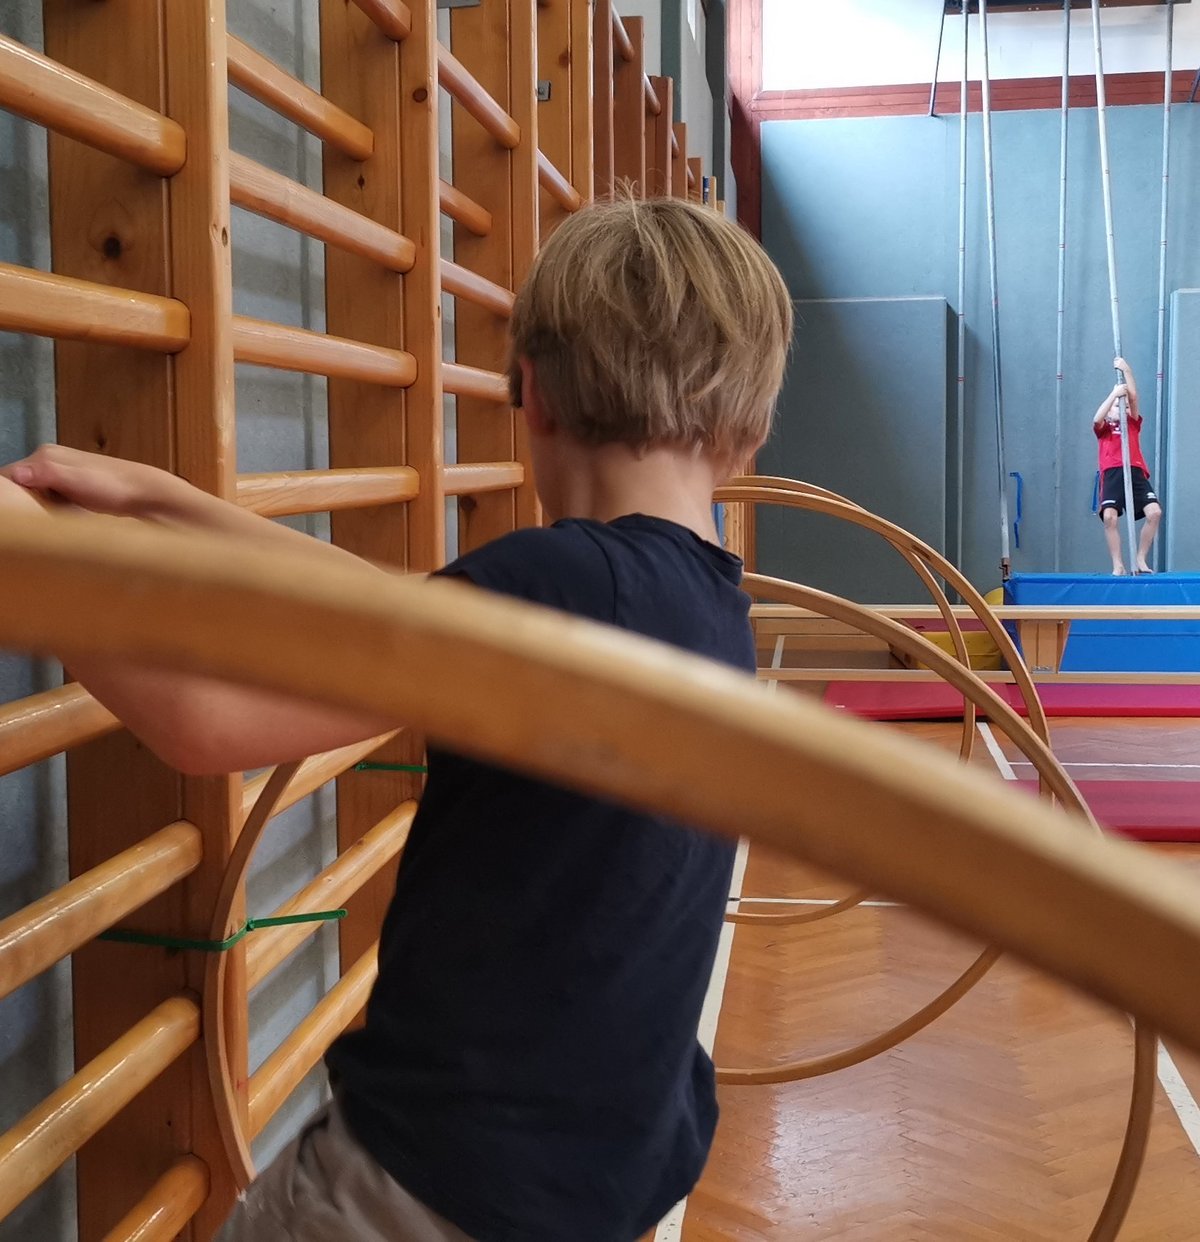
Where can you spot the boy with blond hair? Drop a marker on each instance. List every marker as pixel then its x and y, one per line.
pixel 528 1070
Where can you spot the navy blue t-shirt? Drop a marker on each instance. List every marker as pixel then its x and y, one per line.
pixel 529 1066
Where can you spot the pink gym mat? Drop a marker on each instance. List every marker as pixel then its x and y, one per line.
pixel 1143 810
pixel 892 700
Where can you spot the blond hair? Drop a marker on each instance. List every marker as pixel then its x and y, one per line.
pixel 654 322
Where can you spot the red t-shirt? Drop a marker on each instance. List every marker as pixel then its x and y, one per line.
pixel 1109 435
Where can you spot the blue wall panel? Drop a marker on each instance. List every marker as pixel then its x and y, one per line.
pixel 867 208
pixel 864 422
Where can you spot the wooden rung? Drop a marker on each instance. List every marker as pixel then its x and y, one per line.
pixel 472 478
pixel 256 75
pixel 465 211
pixel 45 724
pixel 279 198
pixel 34 938
pixel 164 1211
pixel 622 43
pixel 391 16
pixel 314 353
pixel 464 381
pixel 49 1135
pixel 464 87
pixel 652 103
pixel 41 90
pixel 556 185
pixel 44 304
pixel 285 1068
pixel 325 491
pixel 462 283
pixel 314 772
pixel 335 885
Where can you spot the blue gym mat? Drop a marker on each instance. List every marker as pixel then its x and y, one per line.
pixel 1119 646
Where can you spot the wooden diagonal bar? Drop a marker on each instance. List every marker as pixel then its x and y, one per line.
pixel 164 1210
pixel 332 888
pixel 463 283
pixel 49 1135
pixel 284 1070
pixel 66 308
pixel 268 193
pixel 465 210
pixel 255 74
pixel 324 491
pixel 316 353
pixel 556 185
pixel 465 87
pixel 71 104
pixel 46 724
pixel 34 938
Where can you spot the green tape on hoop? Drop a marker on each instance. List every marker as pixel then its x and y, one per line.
pixel 120 936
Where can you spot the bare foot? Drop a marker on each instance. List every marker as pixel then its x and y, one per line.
pixel 1119 571
pixel 1144 569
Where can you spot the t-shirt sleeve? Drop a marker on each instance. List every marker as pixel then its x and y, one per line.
pixel 1101 429
pixel 558 567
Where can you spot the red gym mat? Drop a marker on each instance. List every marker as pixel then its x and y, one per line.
pixel 1143 810
pixel 893 700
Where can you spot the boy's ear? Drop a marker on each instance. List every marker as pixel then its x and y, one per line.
pixel 536 415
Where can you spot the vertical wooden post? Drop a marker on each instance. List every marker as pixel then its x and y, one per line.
pixel 581 52
pixel 118 225
pixel 679 165
pixel 555 115
pixel 659 164
pixel 393 89
pixel 602 98
pixel 505 182
pixel 629 113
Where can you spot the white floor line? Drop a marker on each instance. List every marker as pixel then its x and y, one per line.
pixel 670 1228
pixel 1169 1077
pixel 1182 1100
pixel 1116 763
pixel 809 901
pixel 998 756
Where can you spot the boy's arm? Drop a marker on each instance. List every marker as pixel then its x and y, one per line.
pixel 1134 409
pixel 195 724
pixel 1107 404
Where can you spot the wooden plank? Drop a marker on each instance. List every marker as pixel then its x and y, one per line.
pixel 506 184
pixel 393 89
pixel 629 115
pixel 679 157
pixel 659 131
pixel 696 180
pixel 604 171
pixel 556 68
pixel 581 52
pixel 113 224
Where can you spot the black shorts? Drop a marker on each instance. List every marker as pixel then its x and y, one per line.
pixel 1112 492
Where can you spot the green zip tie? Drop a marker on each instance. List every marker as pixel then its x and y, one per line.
pixel 390 767
pixel 120 936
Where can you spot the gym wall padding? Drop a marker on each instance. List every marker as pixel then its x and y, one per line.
pixel 858 420
pixel 868 208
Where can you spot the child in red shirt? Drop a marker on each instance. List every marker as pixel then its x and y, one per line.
pixel 1107 426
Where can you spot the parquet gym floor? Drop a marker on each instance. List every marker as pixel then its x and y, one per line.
pixel 1002 1120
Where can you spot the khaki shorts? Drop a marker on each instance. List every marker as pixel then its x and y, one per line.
pixel 325 1188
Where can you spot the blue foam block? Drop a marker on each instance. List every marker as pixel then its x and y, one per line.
pixel 1119 646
